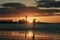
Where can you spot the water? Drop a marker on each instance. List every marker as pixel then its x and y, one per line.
pixel 40 32
pixel 27 35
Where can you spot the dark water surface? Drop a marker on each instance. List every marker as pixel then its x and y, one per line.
pixel 27 35
pixel 39 32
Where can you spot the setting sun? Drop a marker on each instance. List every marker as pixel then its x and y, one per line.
pixel 30 20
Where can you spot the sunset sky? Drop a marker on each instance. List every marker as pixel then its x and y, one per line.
pixel 31 14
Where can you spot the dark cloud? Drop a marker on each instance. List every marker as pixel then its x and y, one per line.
pixel 48 3
pixel 11 9
pixel 15 9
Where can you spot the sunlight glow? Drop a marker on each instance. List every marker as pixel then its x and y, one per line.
pixel 30 19
pixel 30 33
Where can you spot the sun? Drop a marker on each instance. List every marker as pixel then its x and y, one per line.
pixel 30 20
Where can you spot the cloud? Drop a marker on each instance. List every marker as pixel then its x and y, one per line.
pixel 18 10
pixel 11 9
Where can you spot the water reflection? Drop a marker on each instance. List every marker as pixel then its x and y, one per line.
pixel 27 35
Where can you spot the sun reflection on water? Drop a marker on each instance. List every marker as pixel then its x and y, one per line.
pixel 29 33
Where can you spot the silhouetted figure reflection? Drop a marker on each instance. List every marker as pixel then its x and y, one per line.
pixel 25 35
pixel 33 38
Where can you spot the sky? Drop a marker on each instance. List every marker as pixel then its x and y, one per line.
pixel 50 19
pixel 27 2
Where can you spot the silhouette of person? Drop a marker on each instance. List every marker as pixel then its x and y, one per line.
pixel 34 22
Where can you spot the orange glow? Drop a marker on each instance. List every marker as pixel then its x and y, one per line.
pixel 17 34
pixel 49 19
pixel 30 20
pixel 30 33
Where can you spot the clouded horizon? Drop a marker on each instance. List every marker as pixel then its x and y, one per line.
pixel 16 13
